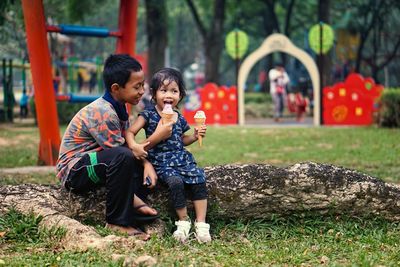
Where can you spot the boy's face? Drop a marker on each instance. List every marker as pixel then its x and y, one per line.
pixel 133 90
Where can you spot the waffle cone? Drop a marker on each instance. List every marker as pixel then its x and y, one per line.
pixel 199 122
pixel 167 117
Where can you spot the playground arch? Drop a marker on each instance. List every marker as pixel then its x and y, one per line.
pixel 279 43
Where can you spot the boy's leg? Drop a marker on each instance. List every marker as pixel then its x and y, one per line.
pixel 118 171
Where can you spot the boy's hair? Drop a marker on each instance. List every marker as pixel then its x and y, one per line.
pixel 167 74
pixel 118 69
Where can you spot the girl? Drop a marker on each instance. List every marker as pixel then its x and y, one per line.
pixel 175 166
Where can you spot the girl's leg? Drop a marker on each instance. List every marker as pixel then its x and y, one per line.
pixel 182 214
pixel 177 196
pixel 200 207
pixel 199 194
pixel 199 198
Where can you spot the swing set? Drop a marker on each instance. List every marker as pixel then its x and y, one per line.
pixel 40 61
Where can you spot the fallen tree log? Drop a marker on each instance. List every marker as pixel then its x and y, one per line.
pixel 235 191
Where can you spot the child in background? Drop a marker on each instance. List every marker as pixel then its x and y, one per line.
pixel 23 104
pixel 175 166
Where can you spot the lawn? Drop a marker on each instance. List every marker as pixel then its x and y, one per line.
pixel 308 241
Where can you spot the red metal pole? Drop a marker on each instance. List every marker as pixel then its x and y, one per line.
pixel 127 23
pixel 127 26
pixel 39 56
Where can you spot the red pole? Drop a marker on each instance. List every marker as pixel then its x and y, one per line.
pixel 127 23
pixel 39 56
pixel 127 26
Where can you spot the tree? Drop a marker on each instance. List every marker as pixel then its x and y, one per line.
pixel 212 37
pixel 157 34
pixel 379 44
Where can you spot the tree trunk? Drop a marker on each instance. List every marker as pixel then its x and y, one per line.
pixel 235 191
pixel 212 38
pixel 325 61
pixel 156 25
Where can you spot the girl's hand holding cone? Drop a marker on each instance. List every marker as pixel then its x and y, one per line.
pixel 200 133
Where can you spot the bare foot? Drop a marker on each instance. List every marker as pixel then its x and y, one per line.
pixel 131 231
pixel 142 207
pixel 145 210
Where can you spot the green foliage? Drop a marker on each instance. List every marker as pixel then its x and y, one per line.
pixel 24 230
pixel 20 228
pixel 257 98
pixel 66 111
pixel 389 112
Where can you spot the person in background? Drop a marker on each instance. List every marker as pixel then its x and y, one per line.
pixel 279 79
pixel 23 105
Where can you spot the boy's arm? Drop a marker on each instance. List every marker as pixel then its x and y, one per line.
pixel 138 150
pixel 148 171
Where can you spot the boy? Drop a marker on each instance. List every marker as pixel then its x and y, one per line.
pixel 93 150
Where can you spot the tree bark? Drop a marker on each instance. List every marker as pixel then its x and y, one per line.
pixel 212 38
pixel 235 191
pixel 157 39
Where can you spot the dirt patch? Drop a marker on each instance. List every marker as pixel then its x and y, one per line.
pixel 29 170
pixel 26 139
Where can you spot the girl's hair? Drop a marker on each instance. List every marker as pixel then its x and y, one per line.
pixel 167 74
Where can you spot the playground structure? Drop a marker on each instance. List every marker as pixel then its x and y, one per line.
pixel 39 56
pixel 279 43
pixel 351 102
pixel 218 103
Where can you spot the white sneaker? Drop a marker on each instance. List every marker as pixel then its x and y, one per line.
pixel 182 231
pixel 202 232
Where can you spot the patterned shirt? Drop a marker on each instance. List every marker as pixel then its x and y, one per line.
pixel 169 157
pixel 94 128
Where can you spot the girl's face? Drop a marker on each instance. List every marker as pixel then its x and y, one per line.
pixel 168 93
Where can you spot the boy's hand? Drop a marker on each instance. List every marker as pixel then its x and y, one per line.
pixel 148 171
pixel 164 131
pixel 200 131
pixel 139 151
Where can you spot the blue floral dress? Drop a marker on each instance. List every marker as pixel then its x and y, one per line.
pixel 169 157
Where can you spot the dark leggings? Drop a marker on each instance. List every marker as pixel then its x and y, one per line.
pixel 119 171
pixel 179 191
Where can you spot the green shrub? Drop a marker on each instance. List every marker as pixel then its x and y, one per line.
pixel 257 98
pixel 389 110
pixel 65 110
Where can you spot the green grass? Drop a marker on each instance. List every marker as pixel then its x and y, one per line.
pixel 375 151
pixel 292 241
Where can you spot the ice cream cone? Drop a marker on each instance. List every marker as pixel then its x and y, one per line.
pixel 167 114
pixel 200 119
pixel 166 118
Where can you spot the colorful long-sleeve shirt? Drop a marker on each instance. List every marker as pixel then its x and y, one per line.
pixel 94 128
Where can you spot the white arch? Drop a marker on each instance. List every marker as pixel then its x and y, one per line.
pixel 279 42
